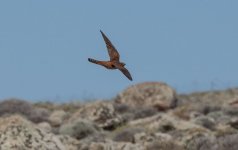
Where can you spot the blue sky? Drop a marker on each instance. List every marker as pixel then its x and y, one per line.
pixel 44 46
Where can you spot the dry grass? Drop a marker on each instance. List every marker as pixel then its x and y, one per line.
pixel 70 107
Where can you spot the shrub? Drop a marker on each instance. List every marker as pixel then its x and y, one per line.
pixel 144 112
pixel 206 109
pixel 79 129
pixel 200 142
pixel 206 122
pixel 164 145
pixel 228 142
pixel 132 113
pixel 183 112
pixel 16 106
pixel 39 115
pixel 121 108
pixel 126 134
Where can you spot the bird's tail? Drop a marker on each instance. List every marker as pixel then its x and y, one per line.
pixel 93 61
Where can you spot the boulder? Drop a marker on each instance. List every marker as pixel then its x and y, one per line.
pixel 18 133
pixel 153 94
pixel 45 126
pixel 57 118
pixel 101 113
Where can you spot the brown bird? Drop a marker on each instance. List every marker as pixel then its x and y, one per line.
pixel 114 62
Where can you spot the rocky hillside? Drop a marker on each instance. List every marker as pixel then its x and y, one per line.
pixel 146 116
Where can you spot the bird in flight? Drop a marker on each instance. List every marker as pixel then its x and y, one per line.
pixel 114 62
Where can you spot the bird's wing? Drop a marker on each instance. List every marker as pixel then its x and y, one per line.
pixel 113 53
pixel 124 71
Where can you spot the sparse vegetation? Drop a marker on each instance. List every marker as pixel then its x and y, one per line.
pixel 16 106
pixel 126 134
pixel 227 142
pixel 79 129
pixel 39 115
pixel 182 112
pixel 67 107
pixel 164 145
pixel 200 142
pixel 133 113
pixel 206 122
pixel 143 112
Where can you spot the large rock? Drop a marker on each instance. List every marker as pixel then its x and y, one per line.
pixel 18 133
pixel 155 94
pixel 57 118
pixel 100 112
pixel 45 126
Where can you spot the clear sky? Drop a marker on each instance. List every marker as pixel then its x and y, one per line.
pixel 44 46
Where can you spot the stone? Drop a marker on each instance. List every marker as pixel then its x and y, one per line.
pixel 101 113
pixel 45 126
pixel 152 94
pixel 57 118
pixel 17 133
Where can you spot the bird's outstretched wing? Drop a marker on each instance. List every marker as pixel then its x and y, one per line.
pixel 113 53
pixel 124 71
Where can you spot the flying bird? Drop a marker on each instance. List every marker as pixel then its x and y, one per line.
pixel 114 62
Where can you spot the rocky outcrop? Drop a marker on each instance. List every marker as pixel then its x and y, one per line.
pixel 153 94
pixel 101 113
pixel 45 126
pixel 18 133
